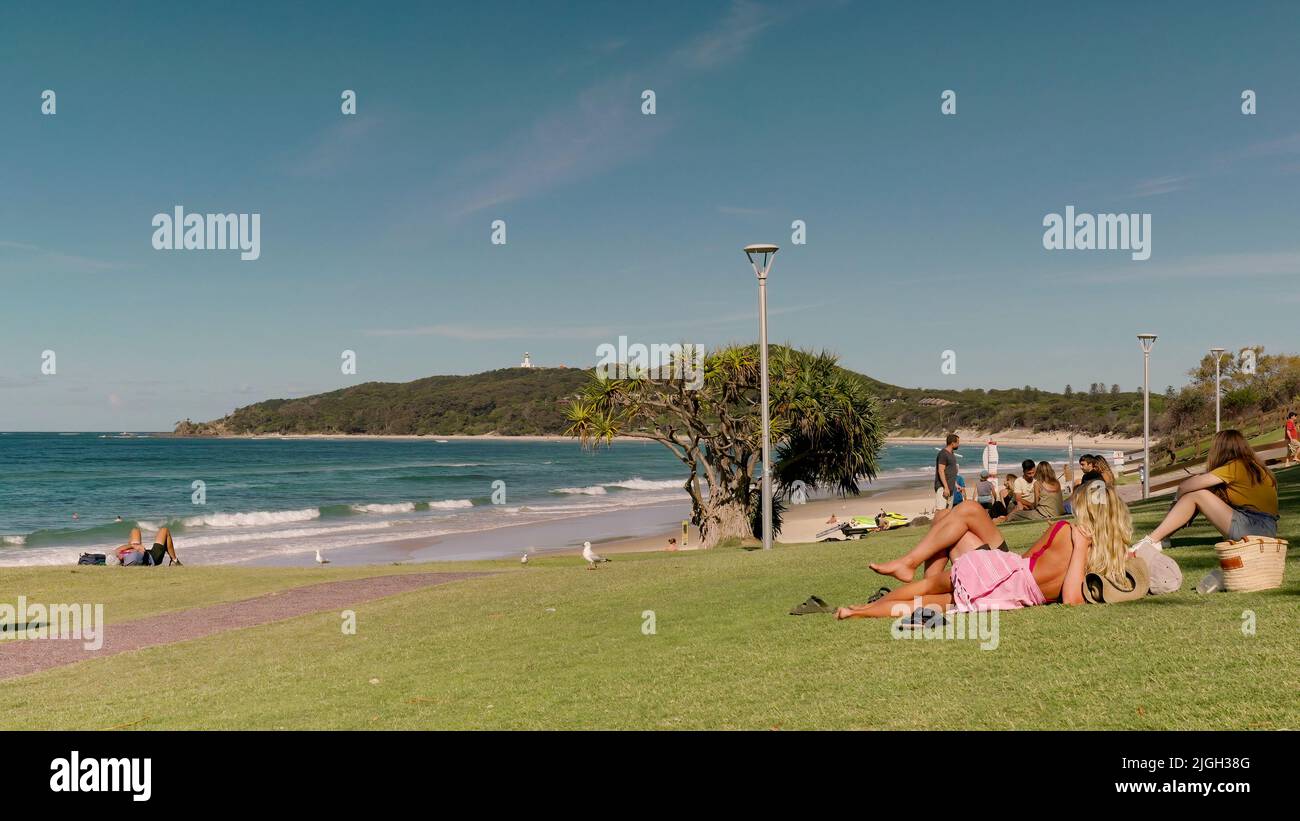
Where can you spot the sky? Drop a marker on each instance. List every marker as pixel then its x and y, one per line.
pixel 924 231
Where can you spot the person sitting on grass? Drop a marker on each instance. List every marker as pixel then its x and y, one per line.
pixel 133 553
pixel 1046 500
pixel 991 578
pixel 1237 493
pixel 1102 468
pixel 1007 502
pixel 1023 488
pixel 984 491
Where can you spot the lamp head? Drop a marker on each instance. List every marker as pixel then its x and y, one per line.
pixel 1146 340
pixel 760 257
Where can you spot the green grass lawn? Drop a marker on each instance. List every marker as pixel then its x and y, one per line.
pixel 553 645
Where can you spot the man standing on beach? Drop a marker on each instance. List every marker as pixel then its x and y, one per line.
pixel 945 473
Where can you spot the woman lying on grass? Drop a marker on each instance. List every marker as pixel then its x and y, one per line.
pixel 985 577
pixel 1237 493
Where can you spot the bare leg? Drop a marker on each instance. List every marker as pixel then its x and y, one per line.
pixel 967 517
pixel 1215 509
pixel 164 538
pixel 938 563
pixel 937 590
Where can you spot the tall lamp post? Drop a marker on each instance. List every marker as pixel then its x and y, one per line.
pixel 761 257
pixel 1218 356
pixel 1146 340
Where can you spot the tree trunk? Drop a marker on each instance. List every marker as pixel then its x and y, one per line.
pixel 722 518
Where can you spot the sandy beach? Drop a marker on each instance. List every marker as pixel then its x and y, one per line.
pixel 971 437
pixel 1055 438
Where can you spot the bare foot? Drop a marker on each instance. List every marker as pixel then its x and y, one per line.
pixel 896 568
pixel 847 613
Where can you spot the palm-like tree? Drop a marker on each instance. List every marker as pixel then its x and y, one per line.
pixel 824 427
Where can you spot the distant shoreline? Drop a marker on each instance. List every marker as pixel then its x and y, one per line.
pixel 1009 437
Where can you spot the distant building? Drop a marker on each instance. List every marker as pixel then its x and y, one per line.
pixel 528 360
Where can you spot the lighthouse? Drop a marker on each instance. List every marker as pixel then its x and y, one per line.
pixel 528 360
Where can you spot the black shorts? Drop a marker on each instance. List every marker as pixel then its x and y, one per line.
pixel 156 554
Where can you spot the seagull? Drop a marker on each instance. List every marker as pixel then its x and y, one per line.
pixel 321 559
pixel 590 556
pixel 524 560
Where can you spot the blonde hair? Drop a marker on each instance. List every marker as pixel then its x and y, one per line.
pixel 1104 518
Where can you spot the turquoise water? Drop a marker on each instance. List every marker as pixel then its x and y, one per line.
pixel 268 496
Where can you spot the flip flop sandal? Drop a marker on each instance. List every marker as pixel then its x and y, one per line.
pixel 922 618
pixel 878 595
pixel 811 606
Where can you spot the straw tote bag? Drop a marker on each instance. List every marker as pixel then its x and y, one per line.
pixel 1253 563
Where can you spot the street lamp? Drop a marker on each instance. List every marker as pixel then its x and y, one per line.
pixel 1218 355
pixel 1146 341
pixel 761 257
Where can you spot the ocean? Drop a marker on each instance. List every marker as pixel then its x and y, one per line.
pixel 279 500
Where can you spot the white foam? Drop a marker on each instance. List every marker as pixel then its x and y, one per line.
pixel 398 507
pixel 255 518
pixel 637 483
pixel 592 490
pixel 451 504
pixel 13 540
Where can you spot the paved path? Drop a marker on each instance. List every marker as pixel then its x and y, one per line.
pixel 21 657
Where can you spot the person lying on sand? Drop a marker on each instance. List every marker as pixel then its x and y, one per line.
pixel 133 553
pixel 985 577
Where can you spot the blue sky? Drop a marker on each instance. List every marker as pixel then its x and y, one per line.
pixel 924 231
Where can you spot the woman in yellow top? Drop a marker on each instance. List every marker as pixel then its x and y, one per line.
pixel 1237 493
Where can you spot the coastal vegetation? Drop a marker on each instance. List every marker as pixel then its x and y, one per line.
pixel 824 425
pixel 532 401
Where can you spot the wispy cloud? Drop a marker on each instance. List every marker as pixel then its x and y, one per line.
pixel 1281 146
pixel 600 129
pixel 335 147
pixel 1227 266
pixel 1160 185
pixel 22 256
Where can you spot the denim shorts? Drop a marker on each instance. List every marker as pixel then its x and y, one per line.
pixel 1246 522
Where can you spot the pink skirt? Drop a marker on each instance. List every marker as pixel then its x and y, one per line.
pixel 993 580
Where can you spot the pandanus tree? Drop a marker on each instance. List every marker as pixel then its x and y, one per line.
pixel 825 429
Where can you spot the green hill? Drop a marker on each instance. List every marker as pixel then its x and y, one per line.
pixel 511 401
pixel 522 401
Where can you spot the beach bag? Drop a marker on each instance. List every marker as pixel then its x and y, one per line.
pixel 92 558
pixel 1254 563
pixel 1165 574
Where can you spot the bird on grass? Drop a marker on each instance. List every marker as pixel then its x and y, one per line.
pixel 590 556
pixel 524 560
pixel 321 559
